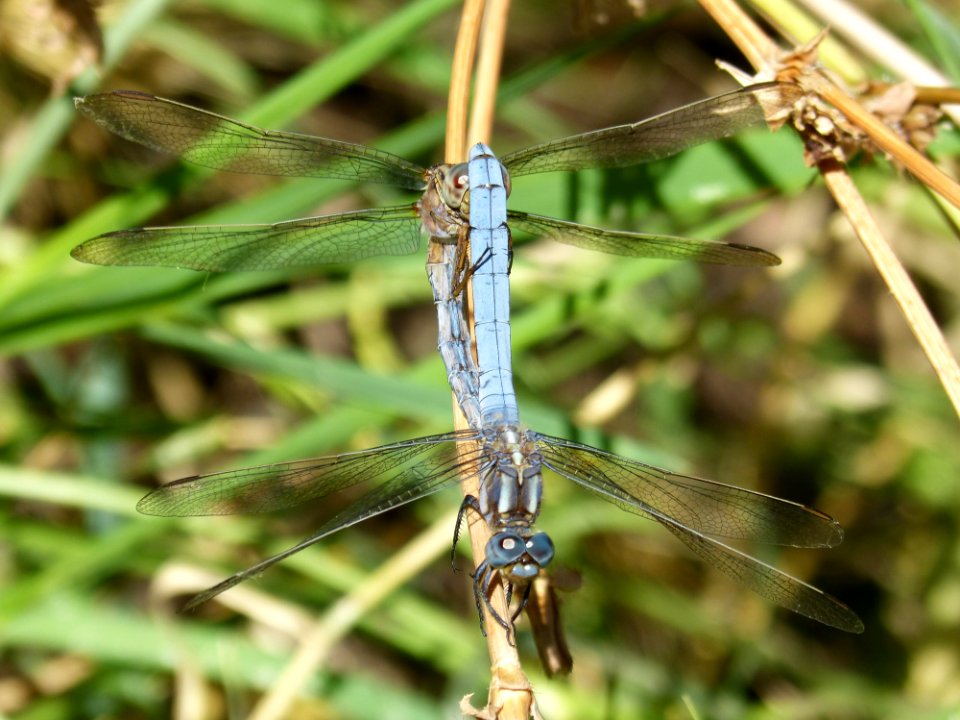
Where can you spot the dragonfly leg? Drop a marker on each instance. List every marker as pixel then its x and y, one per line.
pixel 469 503
pixel 476 596
pixel 466 272
pixel 460 259
pixel 523 602
pixel 483 579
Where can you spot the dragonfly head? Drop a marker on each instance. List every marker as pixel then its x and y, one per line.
pixel 443 207
pixel 519 556
pixel 453 184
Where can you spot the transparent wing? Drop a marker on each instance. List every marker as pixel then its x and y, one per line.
pixel 401 466
pixel 693 509
pixel 400 473
pixel 632 244
pixel 657 137
pixel 307 242
pixel 768 582
pixel 215 141
pixel 701 505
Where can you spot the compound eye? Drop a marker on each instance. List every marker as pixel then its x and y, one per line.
pixel 456 183
pixel 505 548
pixel 540 548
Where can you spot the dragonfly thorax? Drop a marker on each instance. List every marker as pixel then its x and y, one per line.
pixel 511 482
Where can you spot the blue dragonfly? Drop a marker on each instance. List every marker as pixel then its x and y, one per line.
pixel 695 510
pixel 701 513
pixel 509 462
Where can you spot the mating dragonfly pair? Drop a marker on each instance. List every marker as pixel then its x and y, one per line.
pixel 463 211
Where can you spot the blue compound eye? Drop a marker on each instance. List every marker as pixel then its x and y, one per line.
pixel 505 548
pixel 540 548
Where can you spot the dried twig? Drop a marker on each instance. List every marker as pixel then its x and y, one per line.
pixel 317 642
pixel 510 696
pixel 763 54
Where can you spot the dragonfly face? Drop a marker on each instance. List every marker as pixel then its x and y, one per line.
pixel 515 557
pixel 442 209
pixel 518 555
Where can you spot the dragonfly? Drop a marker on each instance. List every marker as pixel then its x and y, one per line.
pixel 540 601
pixel 513 458
pixel 393 475
pixel 696 510
pixel 509 462
pixel 215 141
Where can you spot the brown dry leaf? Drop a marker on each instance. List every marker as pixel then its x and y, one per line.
pixel 827 133
pixel 898 107
pixel 543 612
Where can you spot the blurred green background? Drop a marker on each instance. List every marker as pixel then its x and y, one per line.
pixel 803 381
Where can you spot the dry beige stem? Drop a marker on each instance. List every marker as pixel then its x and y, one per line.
pixel 918 316
pixel 510 695
pixel 319 640
pixel 821 132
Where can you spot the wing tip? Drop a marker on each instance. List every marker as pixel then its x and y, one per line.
pixel 843 618
pixel 147 505
pixel 86 252
pixel 857 627
pixel 191 605
pixel 836 534
pixel 758 256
